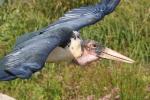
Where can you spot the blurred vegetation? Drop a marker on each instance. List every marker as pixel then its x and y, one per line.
pixel 127 30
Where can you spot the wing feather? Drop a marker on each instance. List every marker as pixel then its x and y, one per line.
pixel 31 57
pixel 77 18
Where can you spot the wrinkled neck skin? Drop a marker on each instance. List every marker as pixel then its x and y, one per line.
pixel 86 58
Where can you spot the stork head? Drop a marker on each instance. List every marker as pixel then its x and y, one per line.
pixel 93 51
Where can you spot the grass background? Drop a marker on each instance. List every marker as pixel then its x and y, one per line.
pixel 127 30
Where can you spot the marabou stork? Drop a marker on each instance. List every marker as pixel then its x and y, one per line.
pixel 60 41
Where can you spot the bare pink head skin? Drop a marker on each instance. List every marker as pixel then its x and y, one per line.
pixel 93 51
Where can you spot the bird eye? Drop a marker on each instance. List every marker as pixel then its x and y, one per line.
pixel 94 45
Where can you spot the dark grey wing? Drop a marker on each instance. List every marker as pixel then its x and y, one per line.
pixel 84 16
pixel 77 18
pixel 31 57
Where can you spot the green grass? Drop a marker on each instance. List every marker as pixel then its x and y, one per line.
pixel 127 30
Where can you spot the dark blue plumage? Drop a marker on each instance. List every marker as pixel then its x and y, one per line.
pixel 31 50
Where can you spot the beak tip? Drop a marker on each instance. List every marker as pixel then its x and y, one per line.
pixel 132 61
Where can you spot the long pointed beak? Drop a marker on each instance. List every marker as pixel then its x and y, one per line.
pixel 113 55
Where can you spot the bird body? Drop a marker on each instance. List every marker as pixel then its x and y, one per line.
pixel 68 53
pixel 60 54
